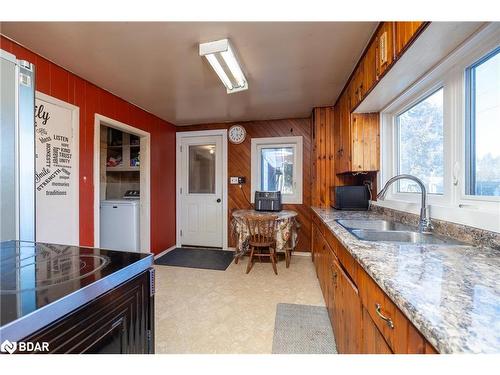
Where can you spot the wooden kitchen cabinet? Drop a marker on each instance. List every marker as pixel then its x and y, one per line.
pixel 342 138
pixel 340 294
pixel 356 86
pixel 385 54
pixel 356 135
pixel 364 319
pixel 348 312
pixel 369 68
pixel 405 33
pixel 359 143
pixel 399 333
pixel 365 76
pixel 373 342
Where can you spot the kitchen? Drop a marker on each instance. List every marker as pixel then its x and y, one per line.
pixel 240 200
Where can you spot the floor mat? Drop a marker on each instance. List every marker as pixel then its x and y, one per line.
pixel 302 329
pixel 208 259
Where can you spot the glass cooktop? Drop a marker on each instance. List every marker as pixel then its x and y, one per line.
pixel 33 275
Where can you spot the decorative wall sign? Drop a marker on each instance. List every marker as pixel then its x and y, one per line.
pixel 56 177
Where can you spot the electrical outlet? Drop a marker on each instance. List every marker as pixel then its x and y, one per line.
pixel 237 180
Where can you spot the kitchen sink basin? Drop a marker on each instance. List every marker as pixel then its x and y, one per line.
pixel 402 237
pixel 376 224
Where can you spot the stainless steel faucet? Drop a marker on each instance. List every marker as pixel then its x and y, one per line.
pixel 425 224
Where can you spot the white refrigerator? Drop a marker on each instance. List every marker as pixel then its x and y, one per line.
pixel 119 225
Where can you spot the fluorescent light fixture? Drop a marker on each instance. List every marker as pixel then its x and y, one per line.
pixel 221 57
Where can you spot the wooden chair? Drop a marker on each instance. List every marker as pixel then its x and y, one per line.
pixel 262 230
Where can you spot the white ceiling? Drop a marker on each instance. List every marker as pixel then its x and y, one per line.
pixel 291 67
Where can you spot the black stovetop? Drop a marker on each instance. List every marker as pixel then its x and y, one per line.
pixel 33 275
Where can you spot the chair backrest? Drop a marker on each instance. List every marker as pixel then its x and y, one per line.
pixel 262 228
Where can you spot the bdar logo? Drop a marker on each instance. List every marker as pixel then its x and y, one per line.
pixel 8 347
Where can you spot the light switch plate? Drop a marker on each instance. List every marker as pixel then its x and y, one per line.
pixel 237 180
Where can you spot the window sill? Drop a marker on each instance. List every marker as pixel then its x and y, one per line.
pixel 474 217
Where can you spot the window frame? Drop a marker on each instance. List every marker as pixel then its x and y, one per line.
pixel 470 127
pixel 389 119
pixel 295 142
pixel 396 139
pixel 456 206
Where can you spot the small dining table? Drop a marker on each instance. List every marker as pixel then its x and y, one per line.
pixel 286 233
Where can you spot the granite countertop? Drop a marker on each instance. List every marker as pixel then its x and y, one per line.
pixel 450 293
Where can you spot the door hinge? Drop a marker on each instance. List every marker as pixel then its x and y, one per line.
pixel 181 190
pixel 181 148
pixel 181 232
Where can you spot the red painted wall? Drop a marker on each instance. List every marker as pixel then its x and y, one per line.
pixel 55 81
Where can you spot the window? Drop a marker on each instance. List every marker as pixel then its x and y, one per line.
pixel 277 166
pixel 483 126
pixel 276 169
pixel 201 174
pixel 420 144
pixel 445 129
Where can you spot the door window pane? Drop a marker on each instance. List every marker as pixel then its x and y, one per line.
pixel 276 169
pixel 201 169
pixel 483 169
pixel 420 144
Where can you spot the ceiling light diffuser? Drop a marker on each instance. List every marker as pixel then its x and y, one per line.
pixel 223 60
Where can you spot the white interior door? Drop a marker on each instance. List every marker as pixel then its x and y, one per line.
pixel 201 191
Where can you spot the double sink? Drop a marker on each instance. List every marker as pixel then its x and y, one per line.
pixel 379 230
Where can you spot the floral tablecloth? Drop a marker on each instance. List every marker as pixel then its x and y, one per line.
pixel 286 234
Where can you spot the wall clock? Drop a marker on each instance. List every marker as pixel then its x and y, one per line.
pixel 237 134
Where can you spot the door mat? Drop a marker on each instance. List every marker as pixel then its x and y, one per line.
pixel 208 259
pixel 302 329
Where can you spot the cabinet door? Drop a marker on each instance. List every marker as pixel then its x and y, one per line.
pixel 404 33
pixel 384 48
pixel 324 268
pixel 365 146
pixel 345 137
pixel 314 246
pixel 119 322
pixel 335 305
pixel 370 68
pixel 372 340
pixel 346 312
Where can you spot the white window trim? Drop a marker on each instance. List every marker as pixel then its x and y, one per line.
pixel 295 142
pixel 454 205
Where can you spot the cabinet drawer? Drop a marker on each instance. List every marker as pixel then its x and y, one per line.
pixel 381 309
pixel 397 330
pixel 316 220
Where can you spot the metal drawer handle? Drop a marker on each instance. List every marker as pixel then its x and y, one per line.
pixel 386 319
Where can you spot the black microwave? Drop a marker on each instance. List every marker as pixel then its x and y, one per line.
pixel 355 198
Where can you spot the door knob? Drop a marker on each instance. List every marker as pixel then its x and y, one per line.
pixel 218 200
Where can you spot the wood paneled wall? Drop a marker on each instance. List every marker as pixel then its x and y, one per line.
pixel 326 140
pixel 239 159
pixel 323 151
pixel 55 81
